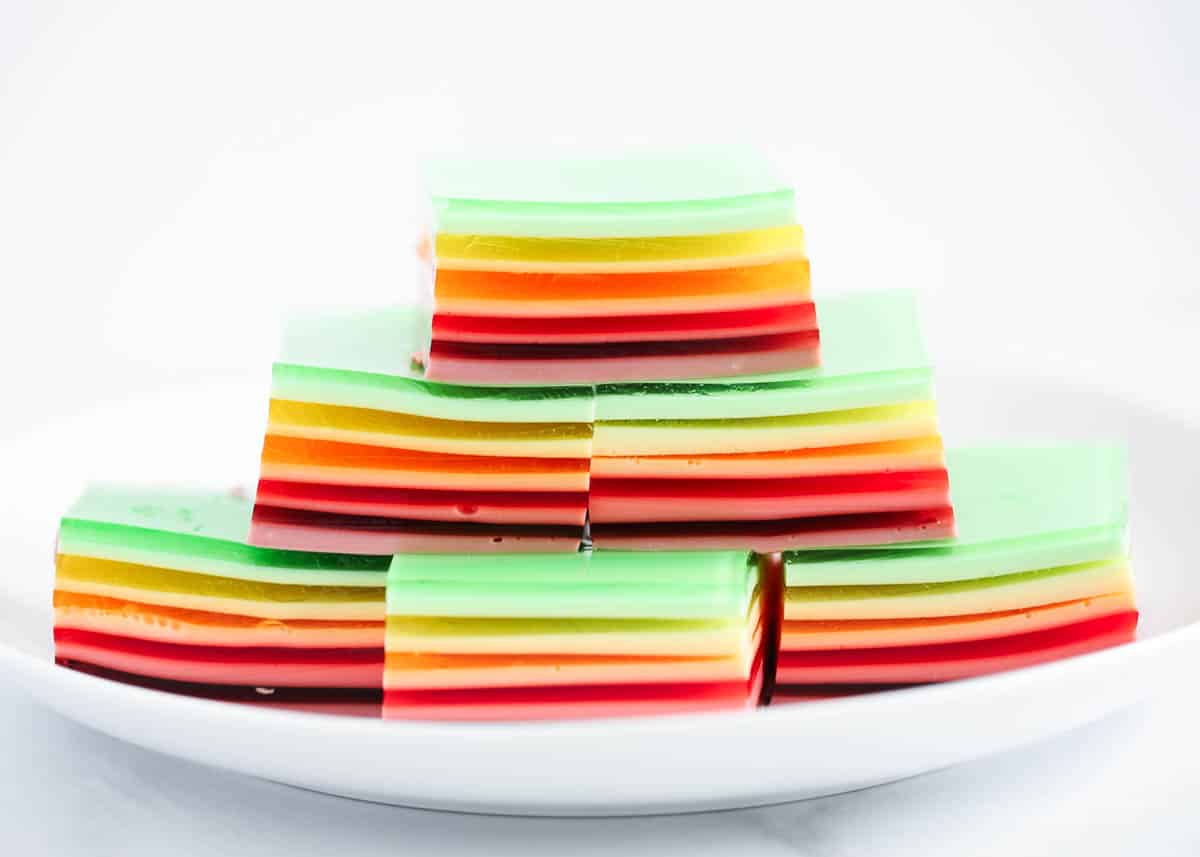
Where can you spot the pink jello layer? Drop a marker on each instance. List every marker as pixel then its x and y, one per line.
pixel 253 666
pixel 766 537
pixel 457 368
pixel 659 499
pixel 949 661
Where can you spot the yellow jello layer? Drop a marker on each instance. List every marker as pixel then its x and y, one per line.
pixel 149 585
pixel 766 434
pixel 455 635
pixel 958 598
pixel 598 255
pixel 564 307
pixel 923 453
pixel 422 434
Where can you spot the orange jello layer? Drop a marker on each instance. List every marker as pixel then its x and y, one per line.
pixel 792 275
pixel 883 633
pixel 420 670
pixel 334 463
pixel 201 627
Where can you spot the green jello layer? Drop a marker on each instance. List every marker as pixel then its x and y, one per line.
pixel 950 587
pixel 631 194
pixel 872 355
pixel 199 533
pixel 533 600
pixel 472 626
pixel 1017 509
pixel 601 585
pixel 585 568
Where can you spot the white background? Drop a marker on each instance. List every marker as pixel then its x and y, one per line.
pixel 174 177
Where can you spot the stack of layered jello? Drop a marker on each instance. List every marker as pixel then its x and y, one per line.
pixel 160 585
pixel 637 268
pixel 575 466
pixel 1039 571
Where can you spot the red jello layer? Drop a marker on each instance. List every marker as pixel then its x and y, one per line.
pixel 252 665
pixel 347 701
pixel 777 535
pixel 627 328
pixel 297 529
pixel 615 500
pixel 551 371
pixel 944 662
pixel 568 508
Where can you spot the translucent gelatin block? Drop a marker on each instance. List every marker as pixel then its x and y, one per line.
pixel 362 455
pixel 582 635
pixel 615 271
pixel 1038 571
pixel 847 454
pixel 160 583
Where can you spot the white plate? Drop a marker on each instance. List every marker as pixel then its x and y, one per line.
pixel 635 766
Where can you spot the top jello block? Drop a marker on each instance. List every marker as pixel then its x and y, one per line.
pixel 641 267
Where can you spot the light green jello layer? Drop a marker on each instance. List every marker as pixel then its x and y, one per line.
pixel 601 584
pixel 871 354
pixel 628 194
pixel 202 533
pixel 871 347
pixel 363 359
pixel 1017 509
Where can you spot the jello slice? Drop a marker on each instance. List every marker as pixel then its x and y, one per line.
pixel 160 583
pixel 1038 572
pixel 589 634
pixel 362 456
